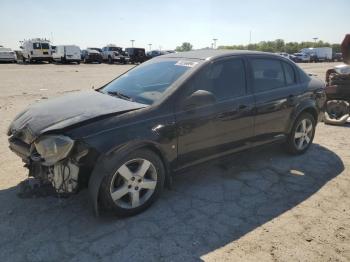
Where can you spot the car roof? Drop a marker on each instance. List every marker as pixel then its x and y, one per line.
pixel 212 54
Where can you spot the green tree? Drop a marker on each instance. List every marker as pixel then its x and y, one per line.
pixel 280 46
pixel 186 46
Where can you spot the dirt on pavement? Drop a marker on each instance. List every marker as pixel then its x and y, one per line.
pixel 259 205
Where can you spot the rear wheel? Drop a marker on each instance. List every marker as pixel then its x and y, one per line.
pixel 133 184
pixel 302 134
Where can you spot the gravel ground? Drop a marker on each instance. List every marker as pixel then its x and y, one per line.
pixel 258 205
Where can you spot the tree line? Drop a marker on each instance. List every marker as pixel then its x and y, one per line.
pixel 280 46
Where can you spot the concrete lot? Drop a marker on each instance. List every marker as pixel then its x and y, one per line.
pixel 260 205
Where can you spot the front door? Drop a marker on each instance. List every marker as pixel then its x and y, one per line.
pixel 219 128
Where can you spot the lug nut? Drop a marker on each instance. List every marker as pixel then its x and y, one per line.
pixel 129 186
pixel 133 178
pixel 139 181
pixel 136 188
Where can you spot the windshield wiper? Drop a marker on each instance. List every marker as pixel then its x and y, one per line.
pixel 119 95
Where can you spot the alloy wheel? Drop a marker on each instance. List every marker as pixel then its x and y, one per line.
pixel 133 183
pixel 303 134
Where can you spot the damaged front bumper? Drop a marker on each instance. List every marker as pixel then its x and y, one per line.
pixel 51 160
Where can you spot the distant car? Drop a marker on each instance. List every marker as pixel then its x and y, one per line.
pixel 7 55
pixel 155 53
pixel 302 57
pixel 286 55
pixel 91 56
pixel 137 55
pixel 96 49
pixel 112 53
pixel 67 54
pixel 337 57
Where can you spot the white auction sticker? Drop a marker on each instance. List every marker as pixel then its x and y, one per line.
pixel 186 63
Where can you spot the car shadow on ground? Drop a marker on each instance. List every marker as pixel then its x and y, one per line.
pixel 209 206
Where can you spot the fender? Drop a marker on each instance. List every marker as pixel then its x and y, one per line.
pixel 305 105
pixel 106 162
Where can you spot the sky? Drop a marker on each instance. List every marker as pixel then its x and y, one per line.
pixel 166 24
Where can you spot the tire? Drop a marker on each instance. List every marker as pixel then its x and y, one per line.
pixel 78 63
pixel 126 181
pixel 110 60
pixel 337 112
pixel 299 145
pixel 85 61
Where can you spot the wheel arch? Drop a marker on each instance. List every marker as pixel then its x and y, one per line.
pixel 304 108
pixel 100 171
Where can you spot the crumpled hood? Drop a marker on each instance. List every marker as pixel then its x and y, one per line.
pixel 67 110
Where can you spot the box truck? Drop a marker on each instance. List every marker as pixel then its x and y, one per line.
pixel 318 54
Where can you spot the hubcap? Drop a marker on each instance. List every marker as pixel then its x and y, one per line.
pixel 133 183
pixel 303 134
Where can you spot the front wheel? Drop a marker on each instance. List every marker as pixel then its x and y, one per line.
pixel 302 134
pixel 133 184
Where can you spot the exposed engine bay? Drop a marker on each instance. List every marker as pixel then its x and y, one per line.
pixel 50 160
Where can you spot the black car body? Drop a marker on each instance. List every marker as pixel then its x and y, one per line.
pixel 137 55
pixel 199 106
pixel 91 56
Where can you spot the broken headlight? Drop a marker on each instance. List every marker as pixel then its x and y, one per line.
pixel 53 148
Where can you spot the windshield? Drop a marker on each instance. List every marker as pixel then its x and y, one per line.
pixel 114 48
pixel 147 83
pixel 41 46
pixel 96 49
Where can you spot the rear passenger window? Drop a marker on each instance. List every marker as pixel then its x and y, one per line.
pixel 289 73
pixel 224 79
pixel 267 74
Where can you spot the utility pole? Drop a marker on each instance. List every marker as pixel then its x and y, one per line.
pixel 215 39
pixel 150 47
pixel 315 39
pixel 132 43
pixel 250 36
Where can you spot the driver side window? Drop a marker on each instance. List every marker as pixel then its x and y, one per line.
pixel 224 79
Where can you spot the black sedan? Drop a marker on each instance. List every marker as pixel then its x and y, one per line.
pixel 125 140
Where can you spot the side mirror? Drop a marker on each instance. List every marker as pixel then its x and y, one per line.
pixel 199 98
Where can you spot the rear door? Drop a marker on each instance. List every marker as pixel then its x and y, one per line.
pixel 222 127
pixel 277 92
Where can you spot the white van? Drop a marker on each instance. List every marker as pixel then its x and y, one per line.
pixel 67 54
pixel 36 50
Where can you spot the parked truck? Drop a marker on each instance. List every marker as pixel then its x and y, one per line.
pixel 36 49
pixel 318 54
